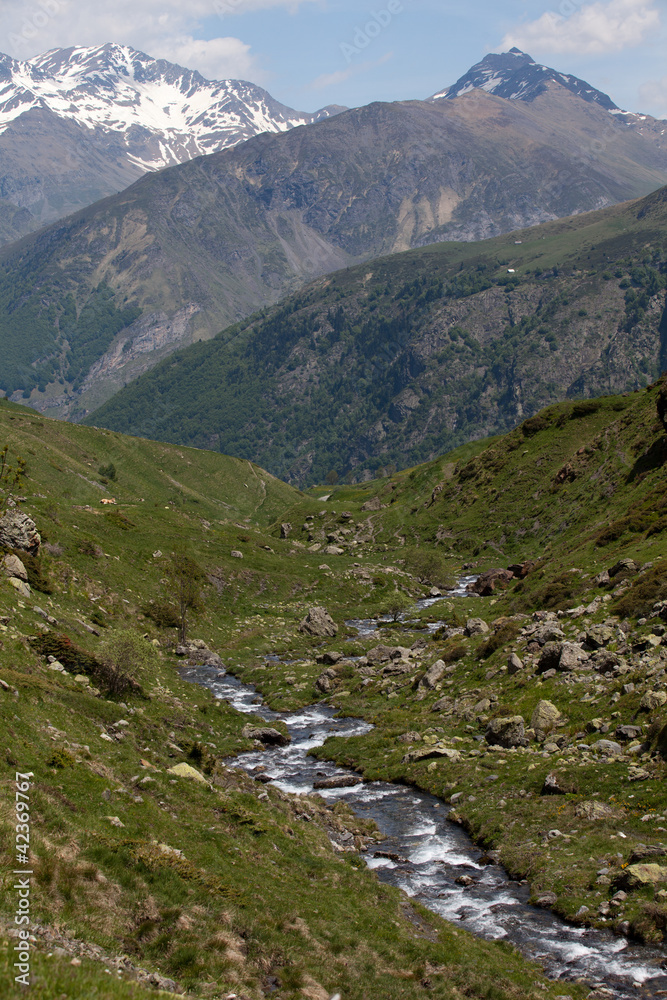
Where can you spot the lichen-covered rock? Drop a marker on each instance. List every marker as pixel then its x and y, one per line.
pixel 433 675
pixel 641 876
pixel 187 771
pixel 599 636
pixel 593 810
pixel 12 566
pixel 508 732
pixel 18 531
pixel 318 622
pixel 653 700
pixel 544 718
pixel 476 626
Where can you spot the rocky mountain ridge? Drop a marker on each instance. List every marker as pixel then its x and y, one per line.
pixel 137 113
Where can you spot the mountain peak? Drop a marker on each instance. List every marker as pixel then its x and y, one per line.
pixel 516 76
pixel 118 91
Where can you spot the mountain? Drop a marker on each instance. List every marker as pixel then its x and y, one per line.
pixel 516 76
pixel 396 361
pixel 188 250
pixel 78 124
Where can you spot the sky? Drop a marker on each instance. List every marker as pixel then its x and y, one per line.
pixel 311 53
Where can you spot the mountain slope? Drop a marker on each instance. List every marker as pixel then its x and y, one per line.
pixel 114 113
pixel 205 243
pixel 397 361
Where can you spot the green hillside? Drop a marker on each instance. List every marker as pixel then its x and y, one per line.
pixel 397 361
pixel 259 902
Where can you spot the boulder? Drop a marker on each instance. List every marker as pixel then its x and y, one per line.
pixel 340 781
pixel 625 566
pixel 476 626
pixel 265 734
pixel 646 852
pixel 187 771
pixel 326 681
pixel 628 732
pixel 602 578
pixel 606 662
pixel 593 810
pixel 555 785
pixel 571 656
pixel 318 622
pixel 599 636
pixel 20 585
pixel 433 675
pixel 544 718
pixel 547 633
pixel 652 700
pixel 236 554
pixel 285 530
pixel 640 876
pixel 330 657
pixel 333 550
pixel 514 665
pixel 508 732
pixel 486 584
pixel 549 657
pixel 521 570
pixel 432 753
pixel 379 654
pixel 18 531
pixel 373 504
pixel 12 566
pixel 608 747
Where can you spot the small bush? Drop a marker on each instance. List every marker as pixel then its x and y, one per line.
pixel 585 408
pixel 633 522
pixel 164 615
pixel 60 758
pixel 506 633
pixel 108 471
pixel 36 577
pixel 650 587
pixel 534 425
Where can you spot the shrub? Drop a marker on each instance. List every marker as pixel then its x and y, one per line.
pixel 647 589
pixel 60 758
pixel 164 615
pixel 108 471
pixel 36 577
pixel 504 634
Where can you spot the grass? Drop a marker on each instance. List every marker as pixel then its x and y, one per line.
pixel 220 887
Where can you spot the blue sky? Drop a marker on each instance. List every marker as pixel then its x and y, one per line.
pixel 309 53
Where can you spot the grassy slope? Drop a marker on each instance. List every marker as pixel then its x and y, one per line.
pixel 368 337
pixel 259 898
pixel 500 503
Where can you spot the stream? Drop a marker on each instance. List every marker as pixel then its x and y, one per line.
pixel 433 853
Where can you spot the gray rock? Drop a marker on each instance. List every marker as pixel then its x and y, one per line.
pixel 265 734
pixel 340 781
pixel 379 654
pixel 628 732
pixel 624 566
pixel 433 675
pixel 549 657
pixel 508 732
pixel 547 633
pixel 236 554
pixel 606 662
pixel 546 900
pixel 514 665
pixel 330 657
pixel 599 636
pixel 318 622
pixel 608 747
pixel 326 681
pixel 12 566
pixel 653 700
pixel 602 578
pixel 285 530
pixel 553 786
pixel 18 531
pixel 476 626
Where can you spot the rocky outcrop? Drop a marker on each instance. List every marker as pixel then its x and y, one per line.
pixel 318 622
pixel 507 732
pixel 18 531
pixel 545 718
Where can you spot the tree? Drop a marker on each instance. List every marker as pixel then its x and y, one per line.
pixel 184 579
pixel 332 477
pixel 395 605
pixel 120 656
pixel 11 476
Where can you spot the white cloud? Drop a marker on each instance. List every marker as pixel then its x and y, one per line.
pixel 165 28
pixel 220 58
pixel 588 29
pixel 654 95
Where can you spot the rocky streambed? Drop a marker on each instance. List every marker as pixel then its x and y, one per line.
pixel 432 859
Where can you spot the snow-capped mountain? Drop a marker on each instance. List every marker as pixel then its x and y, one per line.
pixel 166 114
pixel 516 76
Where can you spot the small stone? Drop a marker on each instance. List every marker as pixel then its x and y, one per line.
pixel 514 665
pixel 266 734
pixel 236 554
pixel 115 821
